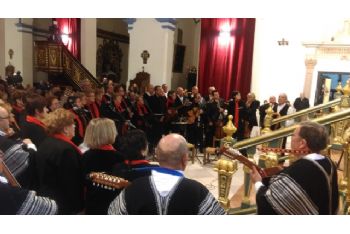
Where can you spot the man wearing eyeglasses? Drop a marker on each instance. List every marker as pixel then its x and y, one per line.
pixel 17 154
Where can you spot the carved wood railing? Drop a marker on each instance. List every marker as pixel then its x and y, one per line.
pixel 55 57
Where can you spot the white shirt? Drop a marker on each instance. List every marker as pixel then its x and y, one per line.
pixel 289 112
pixel 165 182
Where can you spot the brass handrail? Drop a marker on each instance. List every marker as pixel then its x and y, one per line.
pixel 284 132
pixel 306 111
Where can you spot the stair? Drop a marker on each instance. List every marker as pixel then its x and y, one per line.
pixel 54 58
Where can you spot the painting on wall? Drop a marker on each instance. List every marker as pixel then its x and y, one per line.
pixel 179 56
pixel 327 83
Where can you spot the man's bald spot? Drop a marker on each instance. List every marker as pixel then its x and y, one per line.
pixel 3 112
pixel 171 143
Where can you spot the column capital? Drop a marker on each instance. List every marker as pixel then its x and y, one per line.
pixel 310 62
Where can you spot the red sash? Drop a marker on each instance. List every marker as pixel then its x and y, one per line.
pixel 80 124
pixel 32 119
pixel 94 110
pixel 141 108
pixel 18 109
pixel 119 107
pixel 236 113
pixel 170 102
pixel 107 147
pixel 66 139
pixel 136 162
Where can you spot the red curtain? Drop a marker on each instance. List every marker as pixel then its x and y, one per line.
pixel 226 59
pixel 70 27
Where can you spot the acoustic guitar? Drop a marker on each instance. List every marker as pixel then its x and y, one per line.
pixel 105 181
pixel 5 171
pixel 236 155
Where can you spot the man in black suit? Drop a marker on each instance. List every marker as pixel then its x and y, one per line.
pixel 180 102
pixel 157 103
pixel 263 108
pixel 215 117
pixel 301 103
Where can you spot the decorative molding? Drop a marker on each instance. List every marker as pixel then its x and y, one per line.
pixel 167 23
pixel 167 20
pixel 130 22
pixel 114 36
pixel 169 27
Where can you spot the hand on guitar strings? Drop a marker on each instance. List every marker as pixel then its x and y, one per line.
pixel 255 175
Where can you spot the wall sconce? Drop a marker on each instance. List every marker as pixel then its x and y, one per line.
pixel 65 38
pixel 283 42
pixel 225 34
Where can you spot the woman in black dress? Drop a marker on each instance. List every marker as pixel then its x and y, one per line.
pixel 101 157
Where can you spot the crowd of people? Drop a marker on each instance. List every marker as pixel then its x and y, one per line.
pixel 52 138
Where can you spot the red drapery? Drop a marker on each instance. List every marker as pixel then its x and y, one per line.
pixel 70 27
pixel 226 59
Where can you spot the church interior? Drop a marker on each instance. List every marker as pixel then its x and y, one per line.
pixel 245 67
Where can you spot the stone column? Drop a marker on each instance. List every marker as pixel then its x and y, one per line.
pixel 3 54
pixel 156 36
pixel 19 38
pixel 89 44
pixel 310 64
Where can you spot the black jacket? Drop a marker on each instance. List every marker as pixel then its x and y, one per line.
pixel 96 160
pixel 59 170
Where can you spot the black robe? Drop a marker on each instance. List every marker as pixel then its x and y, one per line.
pixel 299 189
pixel 242 117
pixel 60 175
pixel 34 132
pixel 187 197
pixel 20 161
pixel 17 201
pixel 97 160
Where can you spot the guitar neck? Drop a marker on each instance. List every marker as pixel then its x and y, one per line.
pixel 242 159
pixel 8 175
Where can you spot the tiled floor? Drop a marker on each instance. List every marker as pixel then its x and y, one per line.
pixel 208 177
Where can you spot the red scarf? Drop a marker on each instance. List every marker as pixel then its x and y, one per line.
pixel 66 139
pixel 236 113
pixel 80 124
pixel 98 103
pixel 107 147
pixel 170 102
pixel 119 107
pixel 136 162
pixel 32 119
pixel 18 109
pixel 141 109
pixel 94 110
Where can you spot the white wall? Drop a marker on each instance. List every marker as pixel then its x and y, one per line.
pixel 88 44
pixel 22 45
pixel 190 39
pixel 147 34
pixel 278 69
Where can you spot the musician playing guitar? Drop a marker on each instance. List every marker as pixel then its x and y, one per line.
pixel 308 186
pixel 195 122
pixel 215 118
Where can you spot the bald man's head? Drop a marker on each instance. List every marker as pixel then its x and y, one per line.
pixel 172 152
